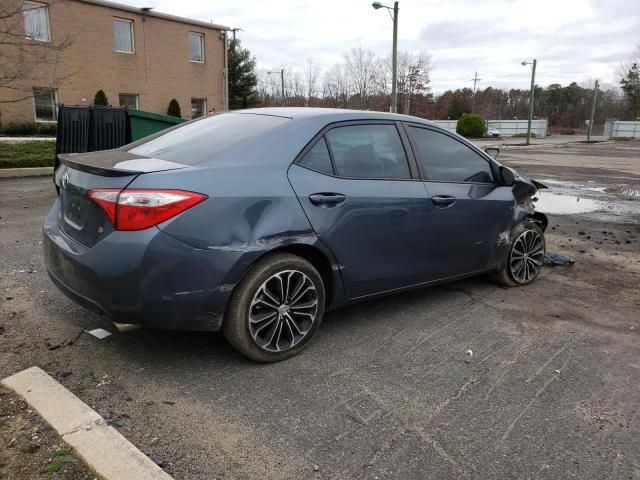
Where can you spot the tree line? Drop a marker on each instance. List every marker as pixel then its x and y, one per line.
pixel 362 81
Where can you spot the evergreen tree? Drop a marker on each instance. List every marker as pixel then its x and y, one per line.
pixel 631 87
pixel 242 77
pixel 100 99
pixel 174 108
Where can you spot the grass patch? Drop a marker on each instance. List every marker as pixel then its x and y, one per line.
pixel 54 467
pixel 621 139
pixel 27 154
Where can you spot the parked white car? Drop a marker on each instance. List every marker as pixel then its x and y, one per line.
pixel 493 132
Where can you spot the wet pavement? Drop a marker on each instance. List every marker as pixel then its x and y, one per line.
pixel 387 389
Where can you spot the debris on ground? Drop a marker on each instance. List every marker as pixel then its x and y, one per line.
pixel 555 258
pixel 99 333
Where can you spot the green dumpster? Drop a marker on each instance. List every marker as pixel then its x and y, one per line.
pixel 145 123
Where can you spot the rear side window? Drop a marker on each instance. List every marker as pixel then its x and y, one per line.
pixel 318 158
pixel 199 141
pixel 368 151
pixel 444 159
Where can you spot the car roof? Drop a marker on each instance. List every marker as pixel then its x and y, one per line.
pixel 335 113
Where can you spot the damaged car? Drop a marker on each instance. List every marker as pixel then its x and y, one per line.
pixel 257 222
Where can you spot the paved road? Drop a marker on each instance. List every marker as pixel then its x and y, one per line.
pixel 385 390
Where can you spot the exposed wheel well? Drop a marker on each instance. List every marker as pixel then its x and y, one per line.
pixel 318 259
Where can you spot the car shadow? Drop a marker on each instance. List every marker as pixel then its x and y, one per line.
pixel 192 349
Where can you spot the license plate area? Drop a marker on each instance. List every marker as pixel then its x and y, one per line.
pixel 75 209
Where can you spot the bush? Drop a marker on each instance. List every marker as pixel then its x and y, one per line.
pixel 28 129
pixel 471 125
pixel 37 153
pixel 100 99
pixel 174 108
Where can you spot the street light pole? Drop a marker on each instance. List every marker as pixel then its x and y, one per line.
pixel 394 53
pixel 593 110
pixel 394 61
pixel 531 95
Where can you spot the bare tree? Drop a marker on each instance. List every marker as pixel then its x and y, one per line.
pixel 27 58
pixel 312 72
pixel 360 66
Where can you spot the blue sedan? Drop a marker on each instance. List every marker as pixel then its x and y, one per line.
pixel 257 222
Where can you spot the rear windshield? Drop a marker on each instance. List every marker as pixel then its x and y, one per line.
pixel 199 141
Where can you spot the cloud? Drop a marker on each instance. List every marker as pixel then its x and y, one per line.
pixel 573 40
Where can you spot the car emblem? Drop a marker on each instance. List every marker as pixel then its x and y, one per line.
pixel 65 180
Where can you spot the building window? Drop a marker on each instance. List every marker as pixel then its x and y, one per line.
pixel 196 47
pixel 129 100
pixel 198 107
pixel 123 35
pixel 45 104
pixel 36 21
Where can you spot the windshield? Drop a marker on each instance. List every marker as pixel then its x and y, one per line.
pixel 197 142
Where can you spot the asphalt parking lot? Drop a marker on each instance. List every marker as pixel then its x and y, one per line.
pixel 386 388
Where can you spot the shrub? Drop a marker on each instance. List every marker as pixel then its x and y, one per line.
pixel 28 129
pixel 100 99
pixel 471 125
pixel 174 108
pixel 36 153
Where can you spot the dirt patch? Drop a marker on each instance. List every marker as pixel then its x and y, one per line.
pixel 597 413
pixel 30 448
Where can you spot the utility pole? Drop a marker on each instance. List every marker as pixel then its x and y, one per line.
pixel 593 110
pixel 531 95
pixel 475 80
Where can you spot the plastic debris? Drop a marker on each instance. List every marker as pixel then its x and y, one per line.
pixel 555 258
pixel 99 333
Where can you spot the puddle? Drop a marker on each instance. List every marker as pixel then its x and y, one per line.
pixel 566 204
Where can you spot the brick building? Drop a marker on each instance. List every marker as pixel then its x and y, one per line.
pixel 138 57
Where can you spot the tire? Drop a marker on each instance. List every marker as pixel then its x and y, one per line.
pixel 249 324
pixel 513 275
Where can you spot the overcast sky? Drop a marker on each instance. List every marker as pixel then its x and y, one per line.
pixel 573 40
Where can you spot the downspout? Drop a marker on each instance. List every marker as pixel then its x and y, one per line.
pixel 225 74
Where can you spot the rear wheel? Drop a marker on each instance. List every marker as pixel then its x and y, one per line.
pixel 525 257
pixel 276 308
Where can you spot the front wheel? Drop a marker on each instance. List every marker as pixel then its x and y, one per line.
pixel 276 308
pixel 525 256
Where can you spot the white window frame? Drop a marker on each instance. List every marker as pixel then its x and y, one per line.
pixel 55 105
pixel 201 35
pixel 137 106
pixel 44 6
pixel 204 106
pixel 133 35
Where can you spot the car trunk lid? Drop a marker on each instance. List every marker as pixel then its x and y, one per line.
pixel 82 219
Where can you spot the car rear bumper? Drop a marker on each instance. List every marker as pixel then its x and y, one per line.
pixel 144 277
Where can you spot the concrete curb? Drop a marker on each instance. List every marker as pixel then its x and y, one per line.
pixel 25 172
pixel 110 455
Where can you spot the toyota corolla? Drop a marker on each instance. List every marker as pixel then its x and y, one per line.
pixel 257 222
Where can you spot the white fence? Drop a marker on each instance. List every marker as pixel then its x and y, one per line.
pixel 507 128
pixel 615 128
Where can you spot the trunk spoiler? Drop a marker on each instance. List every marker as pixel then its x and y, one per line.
pixel 116 163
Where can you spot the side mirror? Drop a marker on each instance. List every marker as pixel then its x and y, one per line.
pixel 493 151
pixel 507 175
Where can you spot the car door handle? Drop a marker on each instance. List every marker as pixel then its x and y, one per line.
pixel 327 199
pixel 443 201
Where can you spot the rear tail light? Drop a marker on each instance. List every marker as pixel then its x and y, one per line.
pixel 140 209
